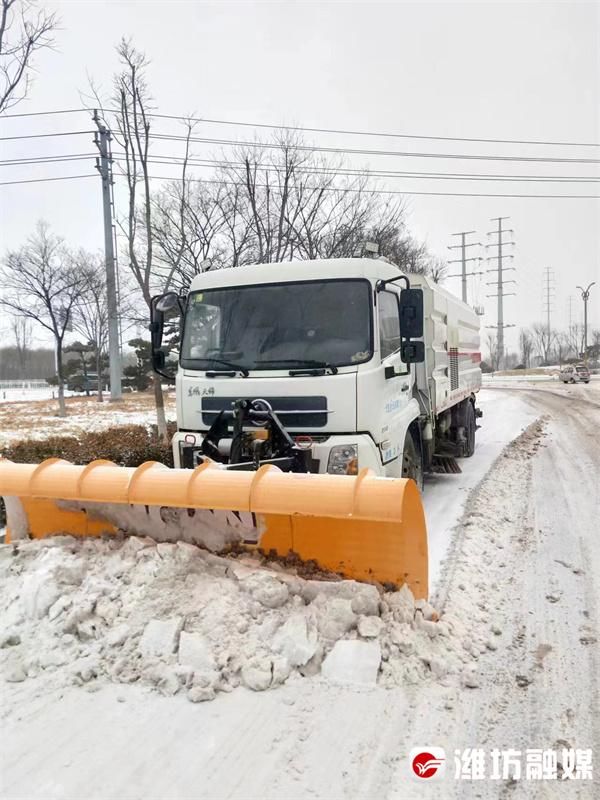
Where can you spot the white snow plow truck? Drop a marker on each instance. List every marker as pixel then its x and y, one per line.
pixel 311 398
pixel 323 366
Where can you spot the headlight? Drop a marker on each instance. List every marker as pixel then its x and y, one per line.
pixel 343 460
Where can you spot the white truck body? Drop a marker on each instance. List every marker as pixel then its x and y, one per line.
pixel 359 405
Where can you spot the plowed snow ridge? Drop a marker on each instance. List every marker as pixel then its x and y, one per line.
pixel 183 620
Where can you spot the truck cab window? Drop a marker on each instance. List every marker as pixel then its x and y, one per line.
pixel 281 325
pixel 389 324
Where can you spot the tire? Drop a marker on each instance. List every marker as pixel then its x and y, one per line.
pixel 470 428
pixel 412 461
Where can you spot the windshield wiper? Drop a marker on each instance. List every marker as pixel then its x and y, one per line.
pixel 305 362
pixel 229 364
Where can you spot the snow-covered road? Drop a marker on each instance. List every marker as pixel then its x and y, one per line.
pixel 505 415
pixel 522 566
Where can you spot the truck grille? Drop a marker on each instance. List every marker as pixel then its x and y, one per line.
pixel 294 412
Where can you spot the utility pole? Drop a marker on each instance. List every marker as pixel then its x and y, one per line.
pixel 585 296
pixel 548 289
pixel 500 281
pixel 102 140
pixel 463 260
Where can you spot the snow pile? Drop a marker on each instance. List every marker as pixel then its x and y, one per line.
pixel 180 619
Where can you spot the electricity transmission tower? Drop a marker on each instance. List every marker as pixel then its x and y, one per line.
pixel 102 140
pixel 500 243
pixel 548 301
pixel 463 274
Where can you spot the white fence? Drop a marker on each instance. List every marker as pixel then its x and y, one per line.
pixel 24 384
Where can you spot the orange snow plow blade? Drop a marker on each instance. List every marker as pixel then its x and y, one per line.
pixel 364 527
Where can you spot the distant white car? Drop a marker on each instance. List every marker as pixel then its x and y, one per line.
pixel 574 373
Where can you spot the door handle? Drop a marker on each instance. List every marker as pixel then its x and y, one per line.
pixel 405 387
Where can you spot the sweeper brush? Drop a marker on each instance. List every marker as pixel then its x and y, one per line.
pixel 364 527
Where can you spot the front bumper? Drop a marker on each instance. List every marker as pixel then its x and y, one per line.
pixel 186 451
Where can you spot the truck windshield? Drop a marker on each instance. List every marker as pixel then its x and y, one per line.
pixel 279 325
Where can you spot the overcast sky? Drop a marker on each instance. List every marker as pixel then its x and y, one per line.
pixel 483 70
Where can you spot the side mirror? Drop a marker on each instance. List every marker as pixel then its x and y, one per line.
pixel 169 302
pixel 412 352
pixel 411 314
pixel 162 307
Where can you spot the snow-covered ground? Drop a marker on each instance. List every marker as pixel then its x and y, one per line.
pixel 39 419
pixel 512 661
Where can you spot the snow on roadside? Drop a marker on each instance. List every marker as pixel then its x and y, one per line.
pixel 84 611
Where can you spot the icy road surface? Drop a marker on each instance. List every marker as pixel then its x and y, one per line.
pixel 522 564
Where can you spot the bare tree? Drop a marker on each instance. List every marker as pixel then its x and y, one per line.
pixel 575 338
pixel 525 347
pixel 437 269
pixel 90 313
pixel 130 124
pixel 41 284
pixel 543 338
pixel 278 203
pixel 24 30
pixel 561 347
pixel 21 328
pixel 188 219
pixel 492 343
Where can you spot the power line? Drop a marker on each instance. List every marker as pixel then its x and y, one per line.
pixel 23 162
pixel 392 191
pixel 356 151
pixel 44 113
pixel 208 162
pixel 43 135
pixel 386 134
pixel 43 180
pixel 200 162
pixel 317 148
pixel 342 190
pixel 308 129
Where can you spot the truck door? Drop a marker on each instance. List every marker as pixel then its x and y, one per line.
pixel 396 384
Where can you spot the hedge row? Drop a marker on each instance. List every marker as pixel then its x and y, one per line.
pixel 126 445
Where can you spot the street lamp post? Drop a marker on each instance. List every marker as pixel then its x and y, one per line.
pixel 585 294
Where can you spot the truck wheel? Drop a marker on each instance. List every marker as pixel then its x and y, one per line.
pixel 412 463
pixel 470 428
